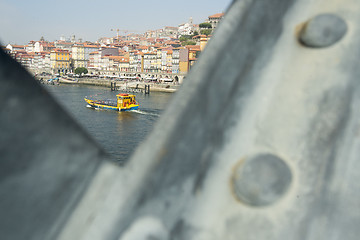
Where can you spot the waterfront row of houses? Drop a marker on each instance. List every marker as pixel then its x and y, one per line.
pixel 97 58
pixel 131 53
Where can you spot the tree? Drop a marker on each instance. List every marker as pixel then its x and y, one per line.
pixel 81 70
pixel 206 32
pixel 195 33
pixel 205 25
pixel 184 38
pixel 188 43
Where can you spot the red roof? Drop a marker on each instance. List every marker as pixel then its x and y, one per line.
pixel 218 15
pixel 18 46
pixel 60 50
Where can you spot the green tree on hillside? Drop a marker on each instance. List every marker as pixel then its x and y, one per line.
pixel 195 33
pixel 205 25
pixel 184 38
pixel 189 42
pixel 206 32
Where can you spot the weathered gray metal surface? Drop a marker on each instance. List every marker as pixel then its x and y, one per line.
pixel 262 141
pixel 46 161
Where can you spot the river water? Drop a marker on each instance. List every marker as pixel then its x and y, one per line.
pixel 119 133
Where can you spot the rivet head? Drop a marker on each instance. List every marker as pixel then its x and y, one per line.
pixel 323 30
pixel 261 180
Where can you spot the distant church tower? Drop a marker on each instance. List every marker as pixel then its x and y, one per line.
pixel 191 21
pixel 73 39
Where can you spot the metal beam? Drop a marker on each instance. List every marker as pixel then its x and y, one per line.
pixel 261 142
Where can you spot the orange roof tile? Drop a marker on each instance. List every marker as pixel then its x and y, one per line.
pixel 18 46
pixel 217 15
pixel 60 50
pixel 91 46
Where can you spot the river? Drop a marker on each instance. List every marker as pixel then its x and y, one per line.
pixel 119 133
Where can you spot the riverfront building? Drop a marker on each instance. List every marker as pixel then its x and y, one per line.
pixel 88 49
pixel 157 51
pixel 41 61
pixel 150 62
pixel 78 56
pixel 60 60
pixel 215 19
pixel 43 46
pixel 94 61
pixel 175 60
pixel 13 47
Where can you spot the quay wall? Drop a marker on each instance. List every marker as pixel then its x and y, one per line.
pixel 95 82
pixel 178 77
pixel 156 87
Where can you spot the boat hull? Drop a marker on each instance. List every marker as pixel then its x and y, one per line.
pixel 93 104
pixel 135 107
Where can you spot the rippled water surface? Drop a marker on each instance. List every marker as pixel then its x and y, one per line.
pixel 117 132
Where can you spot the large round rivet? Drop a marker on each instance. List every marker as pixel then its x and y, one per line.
pixel 323 30
pixel 261 180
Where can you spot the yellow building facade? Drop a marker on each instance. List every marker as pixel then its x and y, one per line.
pixel 203 42
pixel 60 60
pixel 183 67
pixel 188 55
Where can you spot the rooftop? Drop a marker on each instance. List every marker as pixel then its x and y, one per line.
pixel 217 15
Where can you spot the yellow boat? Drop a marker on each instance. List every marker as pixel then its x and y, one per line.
pixel 124 102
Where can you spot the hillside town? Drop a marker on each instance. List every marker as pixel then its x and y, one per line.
pixel 170 50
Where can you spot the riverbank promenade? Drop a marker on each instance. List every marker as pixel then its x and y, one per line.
pixel 121 85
